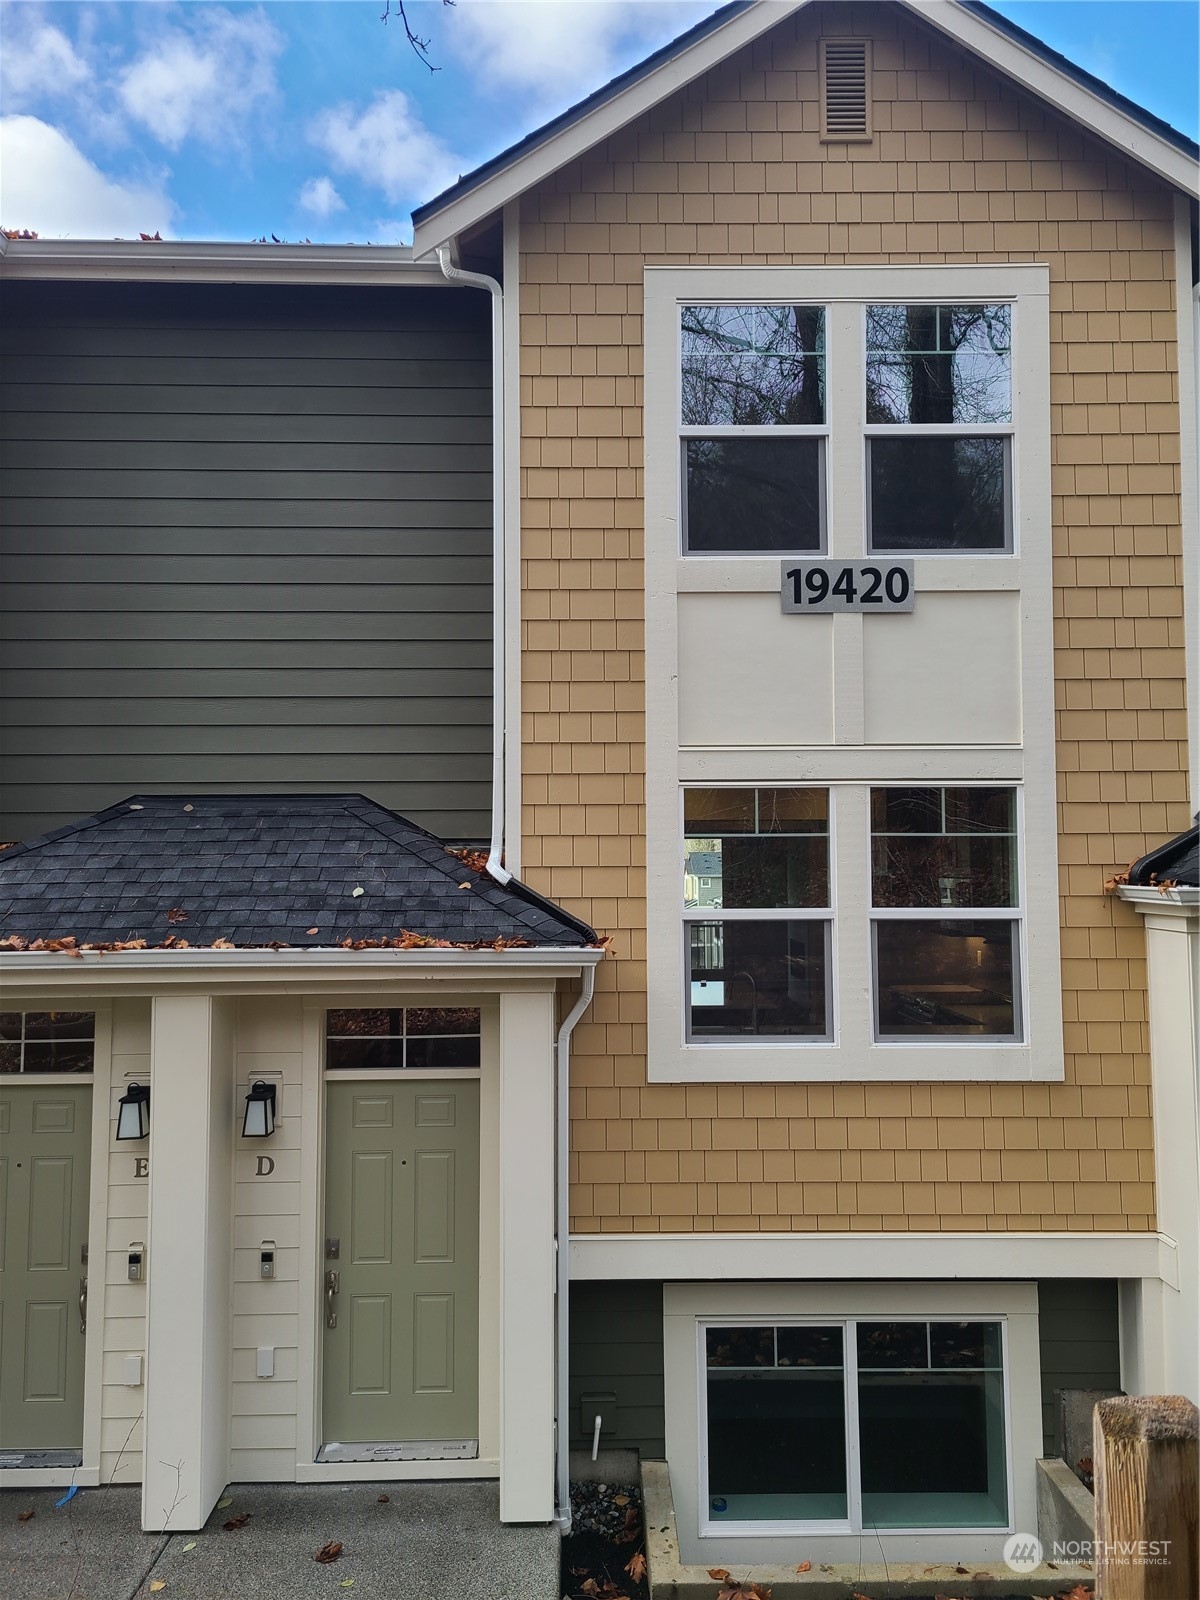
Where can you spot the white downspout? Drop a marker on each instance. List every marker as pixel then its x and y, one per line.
pixel 479 280
pixel 562 1231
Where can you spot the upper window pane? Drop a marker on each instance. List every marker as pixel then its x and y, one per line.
pixel 752 366
pixel 756 493
pixel 943 847
pixel 939 364
pixel 748 849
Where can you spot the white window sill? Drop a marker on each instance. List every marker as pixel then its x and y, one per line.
pixel 924 1061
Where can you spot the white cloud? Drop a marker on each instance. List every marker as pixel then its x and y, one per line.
pixel 555 52
pixel 51 187
pixel 387 146
pixel 321 197
pixel 38 60
pixel 206 80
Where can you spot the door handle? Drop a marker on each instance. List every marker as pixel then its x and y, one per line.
pixel 83 1305
pixel 333 1282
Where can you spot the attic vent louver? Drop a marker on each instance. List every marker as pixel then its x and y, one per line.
pixel 845 103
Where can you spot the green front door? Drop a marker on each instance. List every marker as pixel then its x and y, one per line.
pixel 401 1273
pixel 45 1133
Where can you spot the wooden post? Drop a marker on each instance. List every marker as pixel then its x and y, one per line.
pixel 1145 1451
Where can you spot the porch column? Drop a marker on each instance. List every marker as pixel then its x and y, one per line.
pixel 527 1028
pixel 188 1268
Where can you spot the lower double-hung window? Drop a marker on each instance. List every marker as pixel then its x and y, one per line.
pixel 757 913
pixel 945 898
pixel 854 1424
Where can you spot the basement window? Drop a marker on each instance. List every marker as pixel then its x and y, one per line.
pixel 845 89
pixel 801 1422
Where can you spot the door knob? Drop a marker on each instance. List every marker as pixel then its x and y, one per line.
pixel 333 1282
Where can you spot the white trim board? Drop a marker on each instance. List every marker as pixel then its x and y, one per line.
pixel 997 49
pixel 810 1256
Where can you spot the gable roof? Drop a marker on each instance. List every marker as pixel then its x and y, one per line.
pixel 1137 133
pixel 256 870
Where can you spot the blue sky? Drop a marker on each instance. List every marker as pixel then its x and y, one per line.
pixel 312 119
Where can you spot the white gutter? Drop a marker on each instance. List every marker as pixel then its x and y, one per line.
pixel 479 280
pixel 562 1245
pixel 218 261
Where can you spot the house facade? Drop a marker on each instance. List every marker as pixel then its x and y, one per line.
pixel 842 411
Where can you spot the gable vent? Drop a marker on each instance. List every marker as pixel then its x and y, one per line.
pixel 845 103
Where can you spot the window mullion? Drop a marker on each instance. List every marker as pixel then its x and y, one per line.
pixel 853 1451
pixel 844 410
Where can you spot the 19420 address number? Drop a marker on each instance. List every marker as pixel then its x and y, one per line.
pixel 824 586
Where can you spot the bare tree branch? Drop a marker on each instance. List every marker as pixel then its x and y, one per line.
pixel 420 46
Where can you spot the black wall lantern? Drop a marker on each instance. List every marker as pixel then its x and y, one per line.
pixel 133 1112
pixel 259 1120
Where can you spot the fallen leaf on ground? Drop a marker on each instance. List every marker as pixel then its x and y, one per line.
pixel 382 1499
pixel 328 1552
pixel 190 1545
pixel 618 1499
pixel 24 1516
pixel 228 1501
pixel 719 1573
pixel 157 1584
pixel 805 1566
pixel 962 1570
pixel 239 1521
pixel 1081 1591
pixel 347 1583
pixel 636 1567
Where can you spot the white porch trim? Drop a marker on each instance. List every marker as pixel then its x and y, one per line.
pixel 890 1256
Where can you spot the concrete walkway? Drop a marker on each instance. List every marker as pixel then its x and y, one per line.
pixel 427 1538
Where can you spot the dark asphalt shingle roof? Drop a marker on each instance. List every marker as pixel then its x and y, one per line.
pixel 1177 861
pixel 255 869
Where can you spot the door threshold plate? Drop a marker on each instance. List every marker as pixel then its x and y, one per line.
pixel 23 1460
pixel 414 1450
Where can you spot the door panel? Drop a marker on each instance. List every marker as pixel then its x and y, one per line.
pixel 402 1197
pixel 43 1229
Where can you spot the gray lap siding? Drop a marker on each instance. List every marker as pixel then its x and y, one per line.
pixel 246 547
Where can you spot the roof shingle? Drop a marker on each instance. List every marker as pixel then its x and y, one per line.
pixel 258 870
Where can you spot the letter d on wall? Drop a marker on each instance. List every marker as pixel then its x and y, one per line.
pixel 266 1166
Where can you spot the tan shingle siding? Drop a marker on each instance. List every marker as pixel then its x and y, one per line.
pixel 962 168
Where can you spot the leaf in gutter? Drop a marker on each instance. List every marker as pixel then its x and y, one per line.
pixel 223 944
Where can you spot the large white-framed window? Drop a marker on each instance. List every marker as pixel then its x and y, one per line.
pixel 34 1042
pixel 945 923
pixel 933 381
pixel 908 1412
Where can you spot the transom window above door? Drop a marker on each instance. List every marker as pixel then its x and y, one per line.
pixel 399 1038
pixel 47 1041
